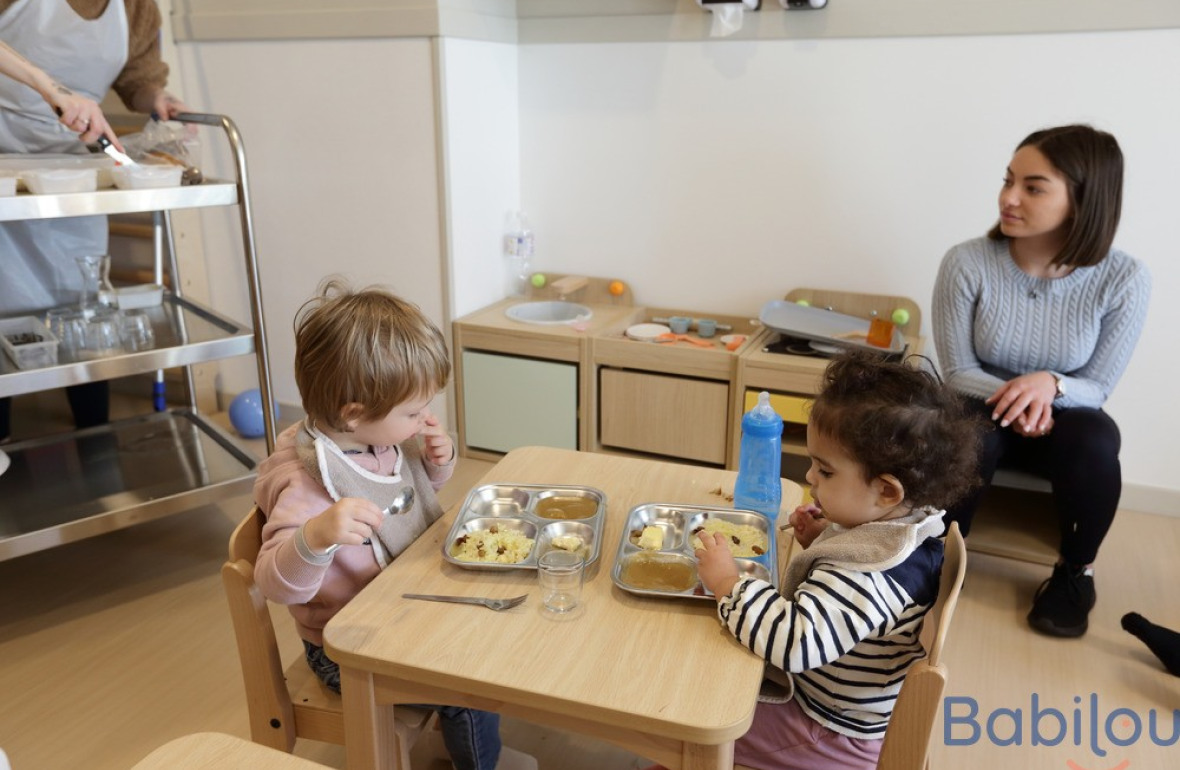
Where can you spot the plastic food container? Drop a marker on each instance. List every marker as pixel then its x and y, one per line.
pixel 139 296
pixel 27 342
pixel 143 177
pixel 62 180
pixel 22 164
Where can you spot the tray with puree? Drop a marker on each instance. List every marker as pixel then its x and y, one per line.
pixel 509 526
pixel 655 556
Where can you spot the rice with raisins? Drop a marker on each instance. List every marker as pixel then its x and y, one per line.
pixel 744 540
pixel 505 546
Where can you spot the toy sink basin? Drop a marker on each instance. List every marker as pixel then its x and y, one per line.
pixel 549 312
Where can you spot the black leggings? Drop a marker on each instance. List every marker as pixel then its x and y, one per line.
pixel 1079 457
pixel 89 402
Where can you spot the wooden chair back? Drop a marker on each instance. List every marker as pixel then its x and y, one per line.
pixel 292 703
pixel 907 740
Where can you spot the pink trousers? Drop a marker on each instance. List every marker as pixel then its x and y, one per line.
pixel 782 737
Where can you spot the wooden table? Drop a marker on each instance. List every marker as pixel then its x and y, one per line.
pixel 217 751
pixel 659 677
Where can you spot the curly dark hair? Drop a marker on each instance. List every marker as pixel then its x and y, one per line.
pixel 900 419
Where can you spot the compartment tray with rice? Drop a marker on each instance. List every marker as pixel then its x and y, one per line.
pixel 509 526
pixel 656 550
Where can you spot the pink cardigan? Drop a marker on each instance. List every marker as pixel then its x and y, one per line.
pixel 289 496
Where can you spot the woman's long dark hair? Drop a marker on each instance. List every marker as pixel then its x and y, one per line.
pixel 1092 164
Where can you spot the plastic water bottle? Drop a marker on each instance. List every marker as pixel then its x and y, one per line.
pixel 759 481
pixel 518 253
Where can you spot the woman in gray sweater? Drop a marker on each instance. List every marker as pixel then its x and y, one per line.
pixel 1036 322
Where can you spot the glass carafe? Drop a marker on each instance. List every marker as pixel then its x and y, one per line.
pixel 95 268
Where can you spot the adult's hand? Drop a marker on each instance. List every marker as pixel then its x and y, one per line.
pixel 80 114
pixel 77 113
pixel 1033 432
pixel 1026 403
pixel 165 106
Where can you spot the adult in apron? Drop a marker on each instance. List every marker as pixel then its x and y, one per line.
pixel 37 258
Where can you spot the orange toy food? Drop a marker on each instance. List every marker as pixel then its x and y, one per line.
pixel 617 288
pixel 880 333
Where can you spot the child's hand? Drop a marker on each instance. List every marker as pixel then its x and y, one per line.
pixel 350 521
pixel 716 567
pixel 808 521
pixel 436 443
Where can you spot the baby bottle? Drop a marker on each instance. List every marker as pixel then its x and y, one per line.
pixel 759 485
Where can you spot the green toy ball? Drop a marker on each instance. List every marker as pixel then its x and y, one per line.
pixel 538 280
pixel 901 316
pixel 802 303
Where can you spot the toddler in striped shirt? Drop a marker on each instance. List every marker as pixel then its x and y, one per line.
pixel 890 448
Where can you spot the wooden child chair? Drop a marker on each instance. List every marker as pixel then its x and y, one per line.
pixel 907 739
pixel 285 705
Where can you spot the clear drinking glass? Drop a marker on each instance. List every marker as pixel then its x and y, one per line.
pixel 68 324
pixel 560 574
pixel 136 330
pixel 102 336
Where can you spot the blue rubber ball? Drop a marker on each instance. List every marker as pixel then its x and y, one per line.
pixel 245 413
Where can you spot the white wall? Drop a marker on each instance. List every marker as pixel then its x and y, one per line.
pixel 342 162
pixel 482 154
pixel 718 175
pixel 715 174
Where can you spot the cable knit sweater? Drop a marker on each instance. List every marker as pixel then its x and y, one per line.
pixel 145 71
pixel 994 322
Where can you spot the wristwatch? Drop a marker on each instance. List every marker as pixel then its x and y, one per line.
pixel 1060 382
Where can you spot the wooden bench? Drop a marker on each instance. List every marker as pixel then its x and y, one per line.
pixel 1016 520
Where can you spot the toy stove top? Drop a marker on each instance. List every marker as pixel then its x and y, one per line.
pixel 798 346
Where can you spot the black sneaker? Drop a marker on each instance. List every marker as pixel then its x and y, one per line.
pixel 1063 602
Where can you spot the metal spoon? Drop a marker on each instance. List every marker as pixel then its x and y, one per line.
pixel 400 504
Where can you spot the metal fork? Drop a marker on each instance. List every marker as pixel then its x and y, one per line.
pixel 491 604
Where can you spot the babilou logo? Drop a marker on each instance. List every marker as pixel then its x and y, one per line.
pixel 1086 724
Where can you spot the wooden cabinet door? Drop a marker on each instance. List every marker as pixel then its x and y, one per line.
pixel 509 401
pixel 673 416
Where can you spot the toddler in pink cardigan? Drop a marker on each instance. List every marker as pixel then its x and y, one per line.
pixel 367 364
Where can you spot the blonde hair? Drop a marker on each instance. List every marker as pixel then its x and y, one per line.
pixel 366 347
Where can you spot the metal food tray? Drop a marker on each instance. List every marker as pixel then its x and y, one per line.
pixel 824 326
pixel 679 523
pixel 516 507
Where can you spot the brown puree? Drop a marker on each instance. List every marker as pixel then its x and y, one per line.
pixel 567 508
pixel 656 572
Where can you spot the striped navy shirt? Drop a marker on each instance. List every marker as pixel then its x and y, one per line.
pixel 847 637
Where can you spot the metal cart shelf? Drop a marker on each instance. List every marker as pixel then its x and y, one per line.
pixel 66 487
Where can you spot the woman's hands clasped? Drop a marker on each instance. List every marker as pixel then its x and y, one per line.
pixel 1025 404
